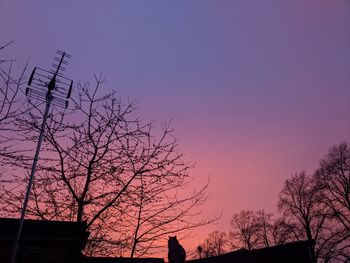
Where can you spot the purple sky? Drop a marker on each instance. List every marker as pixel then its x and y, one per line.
pixel 257 90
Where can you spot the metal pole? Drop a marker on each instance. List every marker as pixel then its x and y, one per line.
pixel 49 98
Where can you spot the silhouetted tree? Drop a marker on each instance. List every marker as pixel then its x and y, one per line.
pixel 218 242
pixel 103 165
pixel 333 243
pixel 264 228
pixel 10 84
pixel 299 202
pixel 282 231
pixel 157 210
pixel 245 229
pixel 215 244
pixel 256 229
pixel 333 179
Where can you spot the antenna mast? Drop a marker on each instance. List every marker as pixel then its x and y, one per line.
pixel 53 88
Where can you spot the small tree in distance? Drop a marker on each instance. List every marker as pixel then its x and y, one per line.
pixel 103 165
pixel 245 229
pixel 214 245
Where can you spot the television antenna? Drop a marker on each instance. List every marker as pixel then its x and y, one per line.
pixel 51 87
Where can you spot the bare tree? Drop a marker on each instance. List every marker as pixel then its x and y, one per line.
pixel 333 244
pixel 215 244
pixel 256 229
pixel 245 229
pixel 207 249
pixel 159 210
pixel 282 231
pixel 333 179
pixel 264 228
pixel 104 166
pixel 299 201
pixel 218 240
pixel 10 84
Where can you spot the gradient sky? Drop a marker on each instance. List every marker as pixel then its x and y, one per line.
pixel 256 90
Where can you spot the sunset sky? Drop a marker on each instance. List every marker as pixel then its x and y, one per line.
pixel 256 89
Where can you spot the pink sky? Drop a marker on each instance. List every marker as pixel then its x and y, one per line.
pixel 257 90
